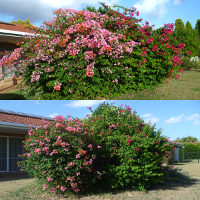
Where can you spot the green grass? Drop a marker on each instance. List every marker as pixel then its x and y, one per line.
pixel 185 88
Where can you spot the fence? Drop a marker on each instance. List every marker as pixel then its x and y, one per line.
pixel 192 156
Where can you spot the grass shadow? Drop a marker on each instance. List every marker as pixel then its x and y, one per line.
pixel 12 96
pixel 176 178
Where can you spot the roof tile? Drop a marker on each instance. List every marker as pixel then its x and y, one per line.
pixel 20 119
pixel 14 27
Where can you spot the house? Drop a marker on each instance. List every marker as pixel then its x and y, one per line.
pixel 10 34
pixel 176 153
pixel 14 127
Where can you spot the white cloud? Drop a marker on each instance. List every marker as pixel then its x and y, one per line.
pixel 156 8
pixel 147 115
pixel 195 118
pixel 150 118
pixel 53 115
pixel 42 10
pixel 174 119
pixel 75 3
pixel 84 103
pixel 178 2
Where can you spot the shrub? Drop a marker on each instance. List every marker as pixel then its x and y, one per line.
pixel 191 63
pixel 112 149
pixel 133 151
pixel 83 54
pixel 60 155
pixel 188 148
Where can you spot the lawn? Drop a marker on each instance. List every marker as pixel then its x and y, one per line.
pixel 178 186
pixel 185 88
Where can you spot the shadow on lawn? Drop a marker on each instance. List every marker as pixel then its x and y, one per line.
pixel 12 176
pixel 174 178
pixel 11 96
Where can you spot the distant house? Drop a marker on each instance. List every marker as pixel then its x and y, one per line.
pixel 14 127
pixel 10 34
pixel 176 154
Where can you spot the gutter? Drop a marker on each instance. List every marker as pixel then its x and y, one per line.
pixel 13 33
pixel 14 125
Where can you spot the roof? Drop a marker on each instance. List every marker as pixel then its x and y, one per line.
pixel 175 143
pixel 14 27
pixel 21 118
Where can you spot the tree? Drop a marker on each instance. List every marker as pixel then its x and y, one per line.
pixel 197 27
pixel 188 27
pixel 188 139
pixel 179 26
pixel 192 39
pixel 19 21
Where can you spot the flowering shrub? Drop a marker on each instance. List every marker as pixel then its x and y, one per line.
pixel 83 54
pixel 133 150
pixel 60 155
pixel 112 149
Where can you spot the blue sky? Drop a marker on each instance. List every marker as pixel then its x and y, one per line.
pixel 175 118
pixel 157 12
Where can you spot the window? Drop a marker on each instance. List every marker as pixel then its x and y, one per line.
pixel 3 154
pixel 10 148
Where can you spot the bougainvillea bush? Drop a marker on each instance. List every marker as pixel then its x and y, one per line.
pixel 110 150
pixel 83 54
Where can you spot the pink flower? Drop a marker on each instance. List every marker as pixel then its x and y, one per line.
pixel 53 152
pixel 99 147
pixel 44 172
pixel 57 85
pixel 63 144
pixel 71 164
pixel 59 118
pixel 30 132
pixel 129 141
pixel 47 139
pixel 38 151
pixel 89 108
pixel 144 53
pixel 58 125
pixel 52 189
pixel 67 149
pixel 78 173
pixel 112 126
pixel 137 149
pixel 45 186
pixel 155 48
pixel 62 188
pixel 29 155
pixel 49 179
pixel 78 156
pixel 89 73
